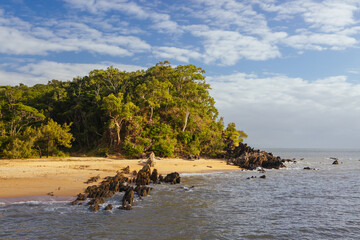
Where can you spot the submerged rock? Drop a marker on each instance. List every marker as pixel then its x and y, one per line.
pixel 309 168
pixel 109 207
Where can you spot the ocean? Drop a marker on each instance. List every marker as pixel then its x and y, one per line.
pixel 290 203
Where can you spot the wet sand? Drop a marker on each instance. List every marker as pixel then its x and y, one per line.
pixel 67 176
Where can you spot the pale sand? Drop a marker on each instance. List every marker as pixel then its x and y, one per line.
pixel 66 177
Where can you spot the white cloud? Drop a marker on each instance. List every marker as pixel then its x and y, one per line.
pixel 161 22
pixel 279 110
pixel 229 47
pixel 44 71
pixel 320 41
pixel 19 37
pixel 183 55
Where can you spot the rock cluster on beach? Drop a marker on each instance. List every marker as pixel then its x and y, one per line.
pixel 120 183
pixel 248 158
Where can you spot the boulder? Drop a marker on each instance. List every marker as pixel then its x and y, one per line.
pixel 143 176
pixel 126 207
pixel 172 178
pixel 128 197
pixel 94 207
pixel 335 162
pixel 109 207
pixel 94 201
pixel 142 191
pixel 154 176
pixel 262 176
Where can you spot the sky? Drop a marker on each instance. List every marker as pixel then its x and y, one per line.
pixel 287 72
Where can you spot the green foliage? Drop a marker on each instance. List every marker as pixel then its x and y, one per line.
pixel 233 136
pixel 164 109
pixel 52 135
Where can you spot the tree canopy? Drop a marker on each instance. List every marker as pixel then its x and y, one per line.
pixel 164 109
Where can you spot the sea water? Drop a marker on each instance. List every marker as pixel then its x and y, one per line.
pixel 291 203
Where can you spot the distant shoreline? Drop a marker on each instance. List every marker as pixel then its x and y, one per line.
pixel 65 177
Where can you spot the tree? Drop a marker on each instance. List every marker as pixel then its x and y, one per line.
pixel 119 112
pixel 191 91
pixel 51 135
pixel 154 93
pixel 232 136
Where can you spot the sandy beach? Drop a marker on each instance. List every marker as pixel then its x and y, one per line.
pixel 67 176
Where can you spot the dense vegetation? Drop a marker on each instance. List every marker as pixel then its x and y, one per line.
pixel 165 109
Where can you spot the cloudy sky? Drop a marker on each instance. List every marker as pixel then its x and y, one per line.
pixel 287 72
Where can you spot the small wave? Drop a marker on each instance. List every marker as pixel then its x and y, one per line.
pixel 35 200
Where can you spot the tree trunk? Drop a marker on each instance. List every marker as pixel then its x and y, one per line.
pixel 38 147
pixel 118 128
pixel 47 148
pixel 151 113
pixel 187 114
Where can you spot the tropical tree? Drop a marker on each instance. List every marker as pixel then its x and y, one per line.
pixel 119 112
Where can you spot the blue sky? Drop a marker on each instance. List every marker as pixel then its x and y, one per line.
pixel 286 72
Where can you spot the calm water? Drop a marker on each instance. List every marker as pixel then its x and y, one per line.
pixel 291 203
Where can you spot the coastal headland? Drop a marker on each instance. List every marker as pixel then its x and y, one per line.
pixel 67 176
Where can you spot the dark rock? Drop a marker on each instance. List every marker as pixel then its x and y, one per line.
pixel 334 158
pixel 154 176
pixel 93 179
pixel 126 170
pixel 143 176
pixel 142 191
pixel 94 207
pixel 128 197
pixel 172 178
pixel 126 207
pixel 81 197
pixel 335 162
pixel 251 177
pixel 161 178
pixel 109 207
pixel 248 158
pixel 308 168
pixel 262 176
pixel 74 202
pixel 134 173
pixel 99 200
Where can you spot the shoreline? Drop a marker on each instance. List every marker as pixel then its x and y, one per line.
pixel 66 177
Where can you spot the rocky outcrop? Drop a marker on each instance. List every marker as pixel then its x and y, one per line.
pixel 172 178
pixel 119 183
pixel 143 176
pixel 248 158
pixel 154 176
pixel 142 191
